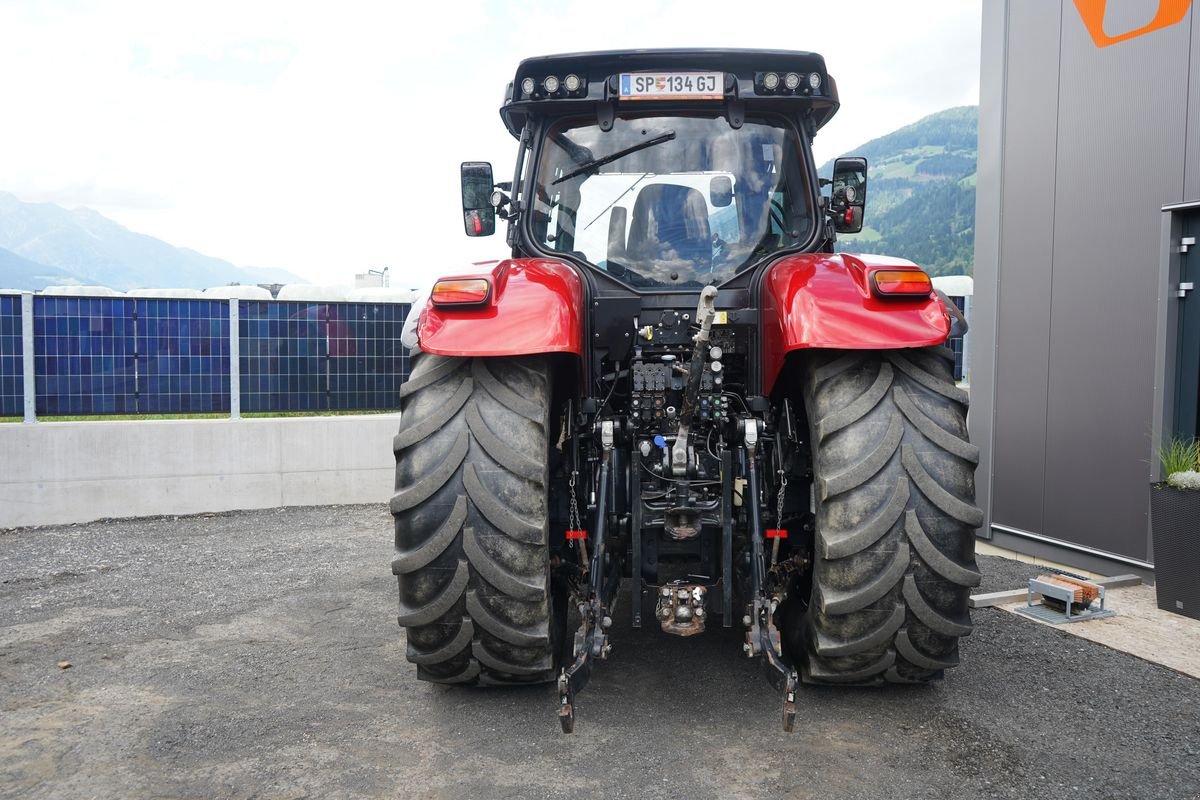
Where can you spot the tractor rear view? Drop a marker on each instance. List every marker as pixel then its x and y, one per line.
pixel 674 381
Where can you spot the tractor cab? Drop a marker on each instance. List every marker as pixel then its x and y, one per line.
pixel 665 170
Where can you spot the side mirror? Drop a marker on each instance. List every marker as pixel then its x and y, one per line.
pixel 720 191
pixel 849 198
pixel 479 217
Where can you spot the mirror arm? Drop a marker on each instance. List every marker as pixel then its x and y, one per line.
pixel 830 231
pixel 513 234
pixel 505 200
pixel 809 124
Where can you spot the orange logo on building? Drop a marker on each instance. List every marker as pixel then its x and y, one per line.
pixel 1170 12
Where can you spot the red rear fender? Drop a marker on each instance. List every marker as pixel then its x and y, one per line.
pixel 825 300
pixel 536 306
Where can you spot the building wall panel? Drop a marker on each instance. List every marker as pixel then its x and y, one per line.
pixel 989 179
pixel 1111 185
pixel 1026 244
pixel 1191 186
pixel 1095 140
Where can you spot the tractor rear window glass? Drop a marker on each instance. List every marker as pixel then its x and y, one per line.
pixel 666 202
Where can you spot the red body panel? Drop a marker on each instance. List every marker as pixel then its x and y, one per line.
pixel 536 306
pixel 825 300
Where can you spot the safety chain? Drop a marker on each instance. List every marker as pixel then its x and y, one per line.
pixel 779 498
pixel 575 531
pixel 574 522
pixel 778 532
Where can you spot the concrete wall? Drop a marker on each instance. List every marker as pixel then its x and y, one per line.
pixel 57 472
pixel 1080 147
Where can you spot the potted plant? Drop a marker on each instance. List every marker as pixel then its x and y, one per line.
pixel 1175 528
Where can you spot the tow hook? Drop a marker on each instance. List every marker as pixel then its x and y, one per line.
pixel 789 703
pixel 680 609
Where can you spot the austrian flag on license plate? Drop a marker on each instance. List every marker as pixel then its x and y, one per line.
pixel 672 85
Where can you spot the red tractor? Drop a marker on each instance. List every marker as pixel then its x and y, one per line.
pixel 676 381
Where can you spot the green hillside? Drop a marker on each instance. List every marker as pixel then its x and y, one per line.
pixel 921 193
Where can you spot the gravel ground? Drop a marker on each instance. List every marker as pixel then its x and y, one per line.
pixel 256 654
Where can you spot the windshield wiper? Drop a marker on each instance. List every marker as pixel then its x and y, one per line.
pixel 578 153
pixel 592 165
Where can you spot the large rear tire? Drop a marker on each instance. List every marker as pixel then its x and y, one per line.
pixel 471 518
pixel 894 481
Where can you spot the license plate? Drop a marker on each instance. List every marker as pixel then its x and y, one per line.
pixel 672 85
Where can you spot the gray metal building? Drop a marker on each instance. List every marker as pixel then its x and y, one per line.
pixel 1086 336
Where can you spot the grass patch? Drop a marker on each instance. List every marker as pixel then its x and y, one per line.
pixel 1180 455
pixel 867 234
pixel 893 168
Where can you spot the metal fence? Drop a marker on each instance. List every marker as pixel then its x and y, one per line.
pixel 146 355
pixel 959 343
pixel 67 355
pixel 12 364
pixel 298 356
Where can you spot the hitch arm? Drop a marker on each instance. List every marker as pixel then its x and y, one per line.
pixel 763 636
pixel 591 639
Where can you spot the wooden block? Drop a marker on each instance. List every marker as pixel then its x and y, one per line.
pixel 1082 591
pixel 997 598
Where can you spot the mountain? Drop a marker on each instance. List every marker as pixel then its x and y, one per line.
pixel 921 193
pixel 83 246
pixel 21 273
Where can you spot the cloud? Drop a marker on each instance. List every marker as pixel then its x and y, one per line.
pixel 326 140
pixel 106 199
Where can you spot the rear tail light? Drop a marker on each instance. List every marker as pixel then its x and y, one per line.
pixel 461 292
pixel 901 283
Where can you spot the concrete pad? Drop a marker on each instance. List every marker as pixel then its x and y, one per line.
pixel 60 502
pixel 62 472
pixel 1139 628
pixel 318 444
pixel 102 450
pixel 349 486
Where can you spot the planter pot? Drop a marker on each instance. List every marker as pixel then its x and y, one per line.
pixel 1175 531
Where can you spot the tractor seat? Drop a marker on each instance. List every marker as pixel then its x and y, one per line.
pixel 670 229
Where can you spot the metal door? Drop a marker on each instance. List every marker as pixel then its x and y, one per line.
pixel 1187 379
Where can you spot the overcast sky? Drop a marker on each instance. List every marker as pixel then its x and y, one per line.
pixel 326 138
